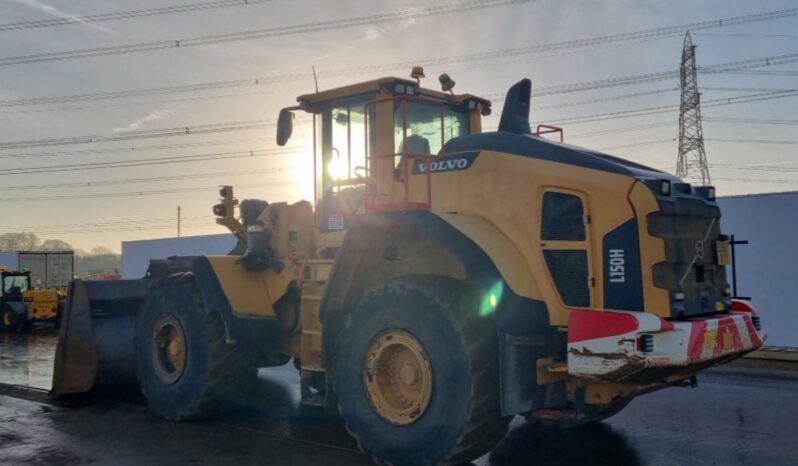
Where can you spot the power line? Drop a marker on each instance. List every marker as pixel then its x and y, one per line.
pixel 756 141
pixel 765 72
pixel 437 10
pixel 668 108
pixel 253 124
pixel 746 34
pixel 141 134
pixel 93 226
pixel 166 10
pixel 194 176
pixel 151 102
pixel 751 121
pixel 638 144
pixel 625 129
pixel 606 99
pixel 218 142
pixel 170 226
pixel 725 140
pixel 656 76
pixel 764 168
pixel 148 162
pixel 760 180
pixel 133 193
pixel 480 56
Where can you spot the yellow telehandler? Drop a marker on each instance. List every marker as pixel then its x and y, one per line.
pixel 22 305
pixel 444 280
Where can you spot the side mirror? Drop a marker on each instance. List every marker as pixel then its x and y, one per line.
pixel 285 125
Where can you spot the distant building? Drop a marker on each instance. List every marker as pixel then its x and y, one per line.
pixel 767 267
pixel 136 255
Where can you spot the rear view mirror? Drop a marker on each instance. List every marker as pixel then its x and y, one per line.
pixel 285 125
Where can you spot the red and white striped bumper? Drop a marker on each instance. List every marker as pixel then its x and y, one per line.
pixel 621 346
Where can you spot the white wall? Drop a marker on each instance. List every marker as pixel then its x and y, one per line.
pixel 9 260
pixel 136 255
pixel 766 267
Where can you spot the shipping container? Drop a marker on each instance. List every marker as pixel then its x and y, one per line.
pixel 48 269
pixel 60 269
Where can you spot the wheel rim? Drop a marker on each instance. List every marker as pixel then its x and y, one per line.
pixel 169 349
pixel 398 377
pixel 7 318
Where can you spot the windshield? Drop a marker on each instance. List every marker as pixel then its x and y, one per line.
pixel 15 284
pixel 430 125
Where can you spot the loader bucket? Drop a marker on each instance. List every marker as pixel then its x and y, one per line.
pixel 95 348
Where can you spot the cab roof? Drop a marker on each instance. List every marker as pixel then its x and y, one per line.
pixel 310 101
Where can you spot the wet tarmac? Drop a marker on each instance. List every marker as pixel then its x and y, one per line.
pixel 735 417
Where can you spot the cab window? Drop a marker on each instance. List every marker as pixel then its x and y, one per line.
pixel 348 158
pixel 428 128
pixel 19 282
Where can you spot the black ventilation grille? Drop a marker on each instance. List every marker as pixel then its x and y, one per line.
pixel 563 217
pixel 568 268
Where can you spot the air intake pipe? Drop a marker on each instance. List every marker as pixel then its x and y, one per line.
pixel 515 115
pixel 258 255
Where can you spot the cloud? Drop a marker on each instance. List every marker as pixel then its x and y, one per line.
pixel 372 32
pixel 51 10
pixel 154 116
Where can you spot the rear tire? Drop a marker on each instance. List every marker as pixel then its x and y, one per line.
pixel 185 365
pixel 434 322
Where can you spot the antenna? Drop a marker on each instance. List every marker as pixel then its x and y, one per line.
pixel 315 79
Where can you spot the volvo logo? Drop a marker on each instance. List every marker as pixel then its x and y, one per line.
pixel 445 163
pixel 699 249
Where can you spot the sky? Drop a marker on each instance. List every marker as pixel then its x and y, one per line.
pixel 750 146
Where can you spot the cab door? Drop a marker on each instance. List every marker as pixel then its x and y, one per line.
pixel 565 246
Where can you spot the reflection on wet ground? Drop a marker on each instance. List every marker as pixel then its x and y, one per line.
pixel 26 358
pixel 596 445
pixel 733 418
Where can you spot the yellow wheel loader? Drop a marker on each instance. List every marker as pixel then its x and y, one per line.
pixel 444 280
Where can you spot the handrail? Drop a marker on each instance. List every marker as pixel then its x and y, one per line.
pixel 406 157
pixel 549 129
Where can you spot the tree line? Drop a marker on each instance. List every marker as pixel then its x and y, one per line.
pixel 98 259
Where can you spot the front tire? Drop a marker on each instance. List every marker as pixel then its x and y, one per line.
pixel 10 320
pixel 184 362
pixel 416 374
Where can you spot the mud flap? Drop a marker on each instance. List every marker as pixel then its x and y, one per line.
pixel 518 361
pixel 95 341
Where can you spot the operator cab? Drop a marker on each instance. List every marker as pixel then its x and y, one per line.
pixel 369 139
pixel 14 284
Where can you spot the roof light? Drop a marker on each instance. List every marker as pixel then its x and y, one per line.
pixel 417 73
pixel 400 88
pixel 711 193
pixel 678 296
pixel 447 83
